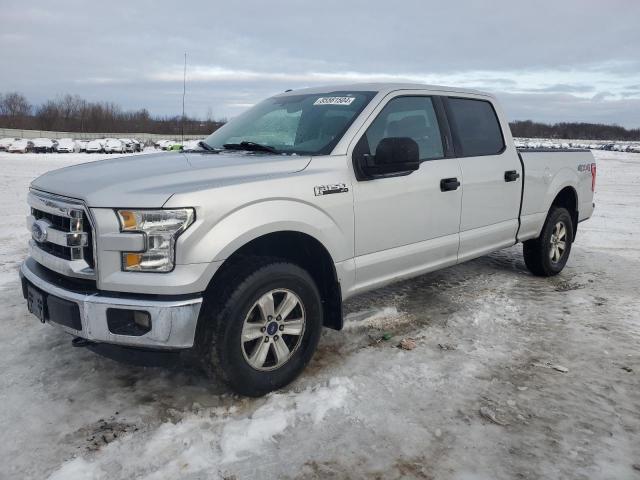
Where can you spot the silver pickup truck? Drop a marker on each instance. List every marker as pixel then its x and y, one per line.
pixel 242 251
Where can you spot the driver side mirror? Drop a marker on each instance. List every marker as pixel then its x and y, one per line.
pixel 394 155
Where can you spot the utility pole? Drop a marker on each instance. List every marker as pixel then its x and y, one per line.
pixel 184 92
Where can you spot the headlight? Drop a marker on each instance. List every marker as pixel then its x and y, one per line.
pixel 161 228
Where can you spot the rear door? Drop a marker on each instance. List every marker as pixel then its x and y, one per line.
pixel 491 176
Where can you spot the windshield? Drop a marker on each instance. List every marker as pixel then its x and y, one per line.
pixel 310 124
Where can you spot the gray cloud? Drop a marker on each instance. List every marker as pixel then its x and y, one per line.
pixel 564 88
pixel 600 96
pixel 565 107
pixel 131 52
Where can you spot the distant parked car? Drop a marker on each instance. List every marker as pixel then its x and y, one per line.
pixel 21 146
pixel 5 143
pixel 137 145
pixel 193 146
pixel 44 145
pixel 165 144
pixel 67 145
pixel 113 145
pixel 127 144
pixel 95 146
pixel 82 145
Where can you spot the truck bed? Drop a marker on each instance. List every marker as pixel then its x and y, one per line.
pixel 547 172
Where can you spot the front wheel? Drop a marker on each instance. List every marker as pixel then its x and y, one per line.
pixel 547 255
pixel 260 330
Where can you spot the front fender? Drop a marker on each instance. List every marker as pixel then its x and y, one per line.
pixel 254 220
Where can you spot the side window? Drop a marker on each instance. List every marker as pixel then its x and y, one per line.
pixel 412 117
pixel 476 126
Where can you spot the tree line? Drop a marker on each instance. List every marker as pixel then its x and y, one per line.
pixel 578 131
pixel 71 113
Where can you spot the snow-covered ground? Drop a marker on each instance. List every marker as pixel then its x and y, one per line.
pixel 512 377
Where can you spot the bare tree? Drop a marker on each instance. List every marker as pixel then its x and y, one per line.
pixel 71 113
pixel 584 131
pixel 14 107
pixel 48 115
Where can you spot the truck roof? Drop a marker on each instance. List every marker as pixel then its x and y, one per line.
pixel 383 88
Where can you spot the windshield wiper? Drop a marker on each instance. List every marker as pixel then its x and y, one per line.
pixel 250 146
pixel 205 146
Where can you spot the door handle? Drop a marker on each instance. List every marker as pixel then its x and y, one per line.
pixel 448 184
pixel 511 176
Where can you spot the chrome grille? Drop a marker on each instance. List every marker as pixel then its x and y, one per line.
pixel 62 237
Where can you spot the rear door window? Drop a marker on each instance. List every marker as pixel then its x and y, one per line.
pixel 476 128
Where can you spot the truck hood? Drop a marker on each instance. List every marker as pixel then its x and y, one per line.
pixel 148 181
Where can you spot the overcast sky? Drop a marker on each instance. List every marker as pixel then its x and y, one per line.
pixel 546 60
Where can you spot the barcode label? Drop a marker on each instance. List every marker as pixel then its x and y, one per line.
pixel 334 101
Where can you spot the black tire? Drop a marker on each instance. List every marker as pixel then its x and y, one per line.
pixel 539 251
pixel 218 340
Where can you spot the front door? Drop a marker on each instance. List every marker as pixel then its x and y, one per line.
pixel 406 225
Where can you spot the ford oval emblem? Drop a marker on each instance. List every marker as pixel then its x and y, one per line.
pixel 39 231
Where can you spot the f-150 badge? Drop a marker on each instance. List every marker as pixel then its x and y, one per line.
pixel 328 189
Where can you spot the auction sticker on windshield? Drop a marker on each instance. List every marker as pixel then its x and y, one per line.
pixel 334 101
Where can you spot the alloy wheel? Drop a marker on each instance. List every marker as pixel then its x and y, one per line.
pixel 273 329
pixel 558 242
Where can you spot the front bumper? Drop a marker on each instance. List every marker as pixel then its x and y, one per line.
pixel 173 321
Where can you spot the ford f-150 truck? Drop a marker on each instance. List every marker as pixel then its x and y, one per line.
pixel 243 250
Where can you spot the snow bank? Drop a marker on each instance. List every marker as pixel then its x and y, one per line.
pixel 379 318
pixel 204 442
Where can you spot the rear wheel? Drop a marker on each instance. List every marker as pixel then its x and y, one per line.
pixel 547 255
pixel 259 331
